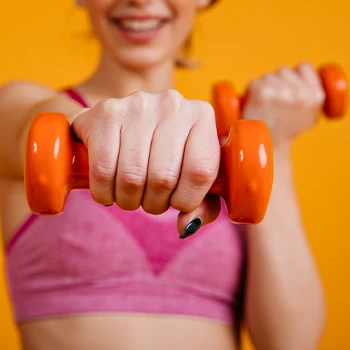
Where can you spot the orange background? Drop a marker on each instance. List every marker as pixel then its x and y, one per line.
pixel 48 41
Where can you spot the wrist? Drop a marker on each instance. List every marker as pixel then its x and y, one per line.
pixel 282 154
pixel 283 175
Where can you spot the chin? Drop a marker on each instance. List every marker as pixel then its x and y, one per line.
pixel 144 60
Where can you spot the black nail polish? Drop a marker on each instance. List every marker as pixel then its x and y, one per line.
pixel 191 228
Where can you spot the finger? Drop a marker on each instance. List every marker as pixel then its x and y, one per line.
pixel 166 152
pixel 135 145
pixel 300 90
pixel 165 162
pixel 289 77
pixel 207 212
pixel 99 129
pixel 200 163
pixel 313 80
pixel 308 74
pixel 272 80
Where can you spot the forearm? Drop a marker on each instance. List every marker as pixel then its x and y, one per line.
pixel 284 298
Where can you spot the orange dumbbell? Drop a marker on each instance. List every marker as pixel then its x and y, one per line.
pixel 228 104
pixel 55 164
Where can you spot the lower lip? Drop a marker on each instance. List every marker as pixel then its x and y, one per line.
pixel 142 36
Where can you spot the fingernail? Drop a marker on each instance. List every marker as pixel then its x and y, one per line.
pixel 108 205
pixel 191 228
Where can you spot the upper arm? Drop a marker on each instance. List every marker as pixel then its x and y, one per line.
pixel 20 101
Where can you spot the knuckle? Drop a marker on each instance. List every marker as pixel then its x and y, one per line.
pixel 140 100
pixel 306 66
pixel 265 94
pixel 174 94
pixel 206 110
pixel 268 77
pixel 200 111
pixel 283 71
pixel 254 86
pixel 286 97
pixel 174 100
pixel 103 174
pixel 108 112
pixel 163 181
pixel 137 105
pixel 133 179
pixel 107 108
pixel 202 176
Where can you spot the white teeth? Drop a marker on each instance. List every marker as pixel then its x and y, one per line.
pixel 140 25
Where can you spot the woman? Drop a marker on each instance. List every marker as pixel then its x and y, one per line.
pixel 104 276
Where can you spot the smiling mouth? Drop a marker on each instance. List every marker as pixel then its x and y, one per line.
pixel 140 25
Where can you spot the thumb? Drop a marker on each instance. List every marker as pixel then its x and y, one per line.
pixel 189 223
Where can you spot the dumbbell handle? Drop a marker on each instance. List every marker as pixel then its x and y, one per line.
pixel 228 105
pixel 56 163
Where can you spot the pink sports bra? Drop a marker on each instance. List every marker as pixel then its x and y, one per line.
pixel 93 258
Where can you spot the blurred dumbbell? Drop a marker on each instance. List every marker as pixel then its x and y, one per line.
pixel 228 105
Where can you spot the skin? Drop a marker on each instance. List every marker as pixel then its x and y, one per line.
pixel 283 297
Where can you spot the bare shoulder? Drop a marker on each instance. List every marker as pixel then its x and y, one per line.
pixel 25 86
pixel 24 93
pixel 21 99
